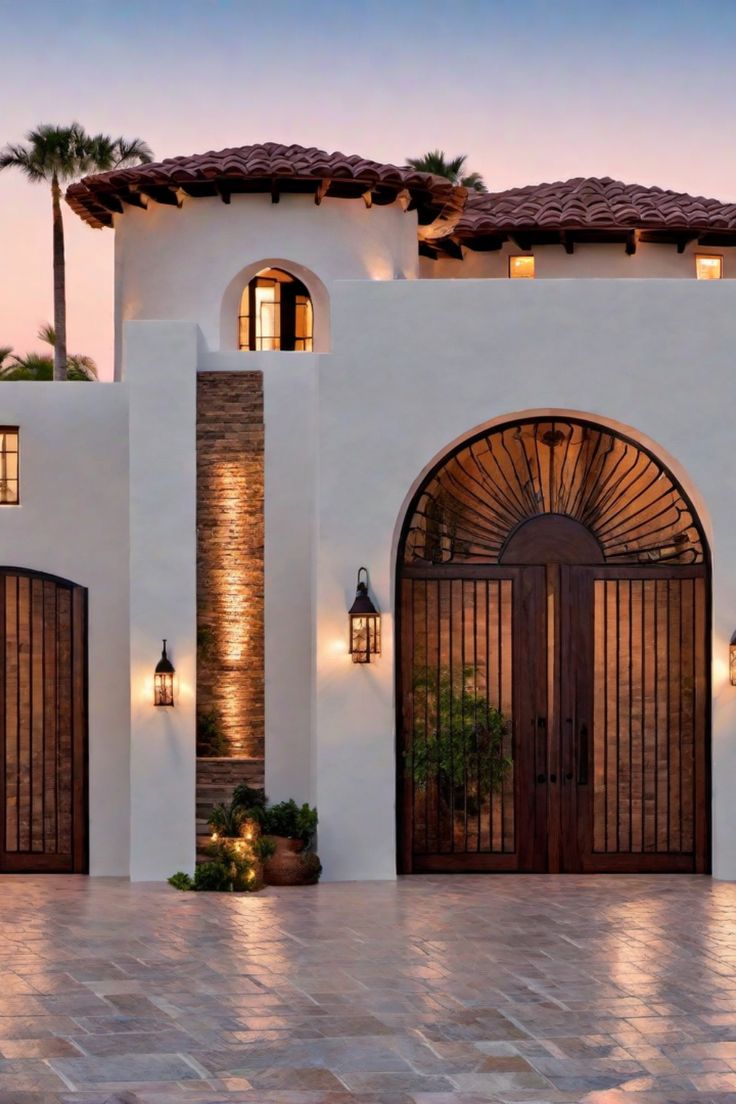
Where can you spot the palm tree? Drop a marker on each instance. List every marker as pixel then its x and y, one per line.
pixel 436 162
pixel 41 366
pixel 57 155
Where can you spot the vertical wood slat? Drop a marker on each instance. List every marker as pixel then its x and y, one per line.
pixel 24 714
pixel 50 778
pixel 79 726
pixel 505 699
pixel 11 713
pixel 701 706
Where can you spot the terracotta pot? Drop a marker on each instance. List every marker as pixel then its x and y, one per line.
pixel 285 865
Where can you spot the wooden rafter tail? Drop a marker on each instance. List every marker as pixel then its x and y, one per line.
pixel 323 187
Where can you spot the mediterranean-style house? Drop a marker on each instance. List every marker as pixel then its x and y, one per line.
pixel 512 410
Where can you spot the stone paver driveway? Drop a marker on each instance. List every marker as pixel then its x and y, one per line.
pixel 611 990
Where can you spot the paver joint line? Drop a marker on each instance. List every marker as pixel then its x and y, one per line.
pixel 431 990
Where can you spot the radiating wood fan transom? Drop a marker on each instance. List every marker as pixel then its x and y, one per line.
pixel 474 501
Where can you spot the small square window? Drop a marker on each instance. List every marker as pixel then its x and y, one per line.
pixel 521 268
pixel 9 466
pixel 708 268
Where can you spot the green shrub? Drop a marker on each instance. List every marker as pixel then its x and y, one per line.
pixel 252 801
pixel 211 742
pixel 180 880
pixel 291 820
pixel 311 867
pixel 264 848
pixel 212 877
pixel 227 820
pixel 458 736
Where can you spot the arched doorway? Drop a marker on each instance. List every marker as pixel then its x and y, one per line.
pixel 43 722
pixel 553 598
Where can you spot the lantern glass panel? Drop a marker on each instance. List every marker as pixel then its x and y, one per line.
pixel 365 637
pixel 732 662
pixel 163 689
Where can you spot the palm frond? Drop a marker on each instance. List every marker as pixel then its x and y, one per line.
pixel 47 334
pixel 451 168
pixel 474 181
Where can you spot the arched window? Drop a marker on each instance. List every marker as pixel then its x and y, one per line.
pixel 276 313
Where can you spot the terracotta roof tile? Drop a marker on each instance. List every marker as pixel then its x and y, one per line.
pixel 96 198
pixel 591 203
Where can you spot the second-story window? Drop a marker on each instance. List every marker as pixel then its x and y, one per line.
pixel 9 466
pixel 708 267
pixel 276 313
pixel 521 268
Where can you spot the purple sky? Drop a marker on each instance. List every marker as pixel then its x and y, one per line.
pixel 530 90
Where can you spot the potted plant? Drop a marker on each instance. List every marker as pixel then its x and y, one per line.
pixel 291 828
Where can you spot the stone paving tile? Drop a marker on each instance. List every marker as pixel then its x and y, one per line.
pixel 436 990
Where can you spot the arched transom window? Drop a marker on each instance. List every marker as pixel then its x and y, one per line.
pixel 276 313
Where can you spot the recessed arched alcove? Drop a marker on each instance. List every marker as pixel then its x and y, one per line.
pixel 230 312
pixel 553 647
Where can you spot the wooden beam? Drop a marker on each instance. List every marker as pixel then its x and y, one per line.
pixel 426 250
pixel 135 199
pixel 110 202
pixel 275 190
pixel 224 192
pixel 451 248
pixel 161 193
pixel 322 189
pixel 403 198
pixel 368 198
pixel 630 243
pixel 567 241
pixel 522 240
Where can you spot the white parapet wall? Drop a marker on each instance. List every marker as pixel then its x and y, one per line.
pixel 161 375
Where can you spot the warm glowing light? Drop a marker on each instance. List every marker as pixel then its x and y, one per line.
pixel 708 268
pixel 365 623
pixel 214 836
pixel 276 313
pixel 163 680
pixel 521 268
pixel 732 659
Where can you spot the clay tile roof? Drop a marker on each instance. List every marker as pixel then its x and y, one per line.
pixel 591 203
pixel 258 168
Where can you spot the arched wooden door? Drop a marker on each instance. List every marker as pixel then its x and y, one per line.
pixel 553 659
pixel 43 714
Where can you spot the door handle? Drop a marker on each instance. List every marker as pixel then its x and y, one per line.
pixel 583 755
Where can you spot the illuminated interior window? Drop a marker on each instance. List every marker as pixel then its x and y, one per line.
pixel 276 313
pixel 708 268
pixel 521 268
pixel 8 466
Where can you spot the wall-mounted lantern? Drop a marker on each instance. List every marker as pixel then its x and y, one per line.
pixel 365 624
pixel 732 659
pixel 163 680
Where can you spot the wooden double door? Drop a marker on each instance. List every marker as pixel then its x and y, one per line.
pixel 553 718
pixel 43 724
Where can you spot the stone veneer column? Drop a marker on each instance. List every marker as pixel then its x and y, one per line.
pixel 230 667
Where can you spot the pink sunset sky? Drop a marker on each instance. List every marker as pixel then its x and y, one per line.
pixel 642 90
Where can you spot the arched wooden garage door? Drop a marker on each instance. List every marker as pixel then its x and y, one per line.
pixel 553 651
pixel 43 713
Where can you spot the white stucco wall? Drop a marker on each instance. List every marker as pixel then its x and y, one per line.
pixel 437 359
pixel 175 263
pixel 161 375
pixel 73 522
